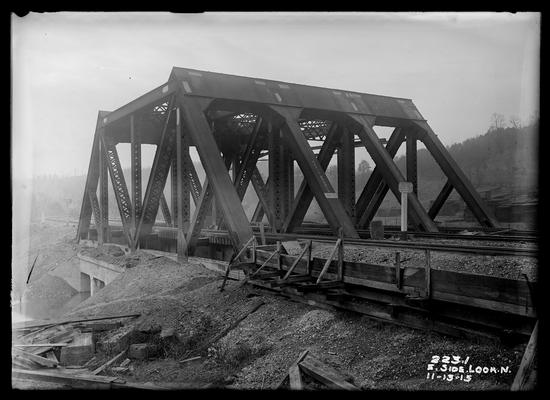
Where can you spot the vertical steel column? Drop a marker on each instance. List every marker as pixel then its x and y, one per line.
pixel 135 155
pixel 412 168
pixel 287 169
pixel 186 181
pixel 103 230
pixel 174 189
pixel 92 180
pixel 346 172
pixel 276 187
pixel 182 190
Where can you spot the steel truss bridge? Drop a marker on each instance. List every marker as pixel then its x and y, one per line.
pixel 233 122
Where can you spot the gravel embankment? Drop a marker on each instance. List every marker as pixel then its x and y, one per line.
pixel 510 267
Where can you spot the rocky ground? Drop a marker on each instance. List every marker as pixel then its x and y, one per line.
pixel 259 350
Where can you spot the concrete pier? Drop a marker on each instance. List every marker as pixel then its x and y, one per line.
pixel 95 274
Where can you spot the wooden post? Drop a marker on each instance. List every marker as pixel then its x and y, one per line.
pixel 308 265
pixel 262 232
pixel 525 370
pixel 254 252
pixel 428 272
pixel 405 188
pixel 340 276
pixel 279 255
pixel 398 270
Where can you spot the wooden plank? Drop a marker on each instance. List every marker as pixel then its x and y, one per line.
pixel 300 358
pixel 84 381
pixel 295 262
pixel 37 359
pixel 190 359
pixel 527 363
pixel 109 363
pixel 50 355
pixel 295 378
pixel 325 374
pixel 329 260
pixel 22 363
pixel 499 294
pixel 23 325
pixel 41 345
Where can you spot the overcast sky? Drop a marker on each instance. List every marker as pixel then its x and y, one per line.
pixel 457 68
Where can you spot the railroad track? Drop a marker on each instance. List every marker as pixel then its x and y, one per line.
pixel 487 235
pixel 479 250
pixel 464 249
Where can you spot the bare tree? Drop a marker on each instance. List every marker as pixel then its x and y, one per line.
pixel 497 121
pixel 515 122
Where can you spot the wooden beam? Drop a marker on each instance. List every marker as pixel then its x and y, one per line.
pixel 23 325
pixel 295 378
pixel 327 263
pixel 306 247
pixel 325 374
pixel 527 366
pixel 35 358
pixel 109 363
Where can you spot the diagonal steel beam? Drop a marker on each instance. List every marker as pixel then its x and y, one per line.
pixel 158 175
pixel 263 204
pixel 92 180
pixel 191 173
pixel 455 175
pixel 304 196
pixel 95 208
pixel 199 130
pixel 250 158
pixel 228 159
pixel 391 173
pixel 119 187
pixel 375 189
pixel 325 195
pixel 262 192
pixel 165 210
pixel 440 199
pixel 197 220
